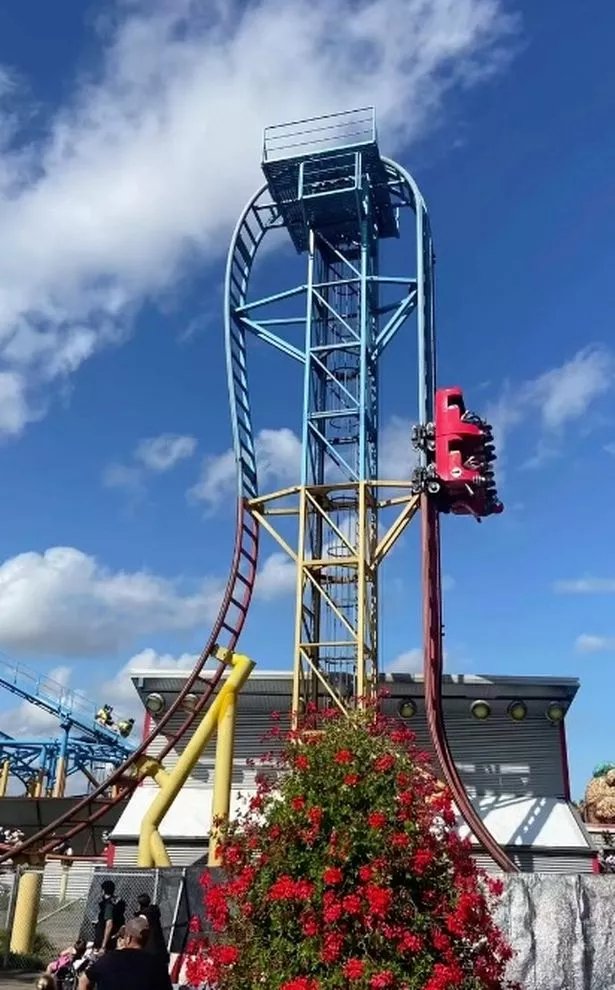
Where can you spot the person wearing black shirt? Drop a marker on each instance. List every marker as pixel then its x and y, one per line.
pixel 130 968
pixel 110 918
pixel 151 912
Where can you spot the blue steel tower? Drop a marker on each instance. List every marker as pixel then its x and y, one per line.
pixel 338 200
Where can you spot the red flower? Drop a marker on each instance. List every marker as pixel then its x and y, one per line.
pixel 376 820
pixel 410 942
pixel 332 912
pixel 297 803
pixel 314 816
pixel 301 983
pixel 224 955
pixel 332 947
pixel 379 899
pixel 381 980
pixel 352 904
pixel 400 840
pixel 384 762
pixel 287 889
pixel 332 876
pixel 343 756
pixel 302 763
pixel 365 873
pixel 354 969
pixel 495 886
pixel 310 927
pixel 195 925
pixel 351 779
pixel 422 860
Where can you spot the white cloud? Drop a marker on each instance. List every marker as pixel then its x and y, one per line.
pixel 63 602
pixel 154 455
pixel 586 643
pixel 586 586
pixel 120 692
pixel 143 170
pixel 26 721
pixel 557 397
pixel 409 662
pixel 396 455
pixel 159 454
pixel 278 458
pixel 277 576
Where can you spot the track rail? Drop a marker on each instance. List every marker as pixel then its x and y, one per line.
pixel 433 663
pixel 226 632
pixel 259 216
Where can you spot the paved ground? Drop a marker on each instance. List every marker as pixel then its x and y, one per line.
pixel 17 981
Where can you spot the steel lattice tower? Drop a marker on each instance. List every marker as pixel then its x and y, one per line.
pixel 338 199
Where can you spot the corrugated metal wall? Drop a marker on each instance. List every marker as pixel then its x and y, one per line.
pixel 179 854
pixel 494 757
pixel 530 861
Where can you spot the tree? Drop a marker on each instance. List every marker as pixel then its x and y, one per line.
pixel 346 871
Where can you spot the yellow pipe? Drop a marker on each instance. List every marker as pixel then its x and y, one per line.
pixel 223 773
pixel 60 781
pixel 151 848
pixel 4 777
pixel 26 911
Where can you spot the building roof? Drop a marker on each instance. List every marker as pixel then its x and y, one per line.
pixel 461 686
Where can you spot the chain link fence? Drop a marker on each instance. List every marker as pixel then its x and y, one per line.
pixel 70 898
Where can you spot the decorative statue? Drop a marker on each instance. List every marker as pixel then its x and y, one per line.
pixel 599 801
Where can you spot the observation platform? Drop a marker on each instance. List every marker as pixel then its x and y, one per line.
pixel 515 771
pixel 318 169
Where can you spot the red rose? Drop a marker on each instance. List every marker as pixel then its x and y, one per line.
pixel 343 756
pixel 297 803
pixel 354 969
pixel 302 762
pixel 351 779
pixel 376 820
pixel 332 876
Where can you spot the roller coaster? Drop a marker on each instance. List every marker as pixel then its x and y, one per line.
pixel 328 187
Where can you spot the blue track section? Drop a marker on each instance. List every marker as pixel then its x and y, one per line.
pixel 71 709
pixel 299 161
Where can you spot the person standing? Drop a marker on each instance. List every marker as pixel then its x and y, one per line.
pixel 111 917
pixel 129 969
pixel 151 912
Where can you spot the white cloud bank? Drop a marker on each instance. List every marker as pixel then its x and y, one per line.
pixel 154 455
pixel 278 458
pixel 141 173
pixel 556 398
pixel 588 643
pixel 64 603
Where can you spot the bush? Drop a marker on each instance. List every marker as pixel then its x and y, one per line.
pixel 348 873
pixel 43 951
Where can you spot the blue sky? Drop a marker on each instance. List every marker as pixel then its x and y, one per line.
pixel 129 141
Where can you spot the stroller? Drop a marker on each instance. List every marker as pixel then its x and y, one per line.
pixel 68 972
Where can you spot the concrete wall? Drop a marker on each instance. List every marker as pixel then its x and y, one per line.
pixel 561 928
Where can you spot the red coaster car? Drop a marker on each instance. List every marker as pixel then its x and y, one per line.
pixel 463 451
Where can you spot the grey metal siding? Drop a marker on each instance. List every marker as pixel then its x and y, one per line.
pixel 530 861
pixel 180 854
pixel 493 757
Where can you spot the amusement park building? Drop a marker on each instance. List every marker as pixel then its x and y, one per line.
pixel 516 772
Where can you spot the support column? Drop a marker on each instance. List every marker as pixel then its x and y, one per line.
pixel 4 777
pixel 59 783
pixel 26 911
pixel 223 774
